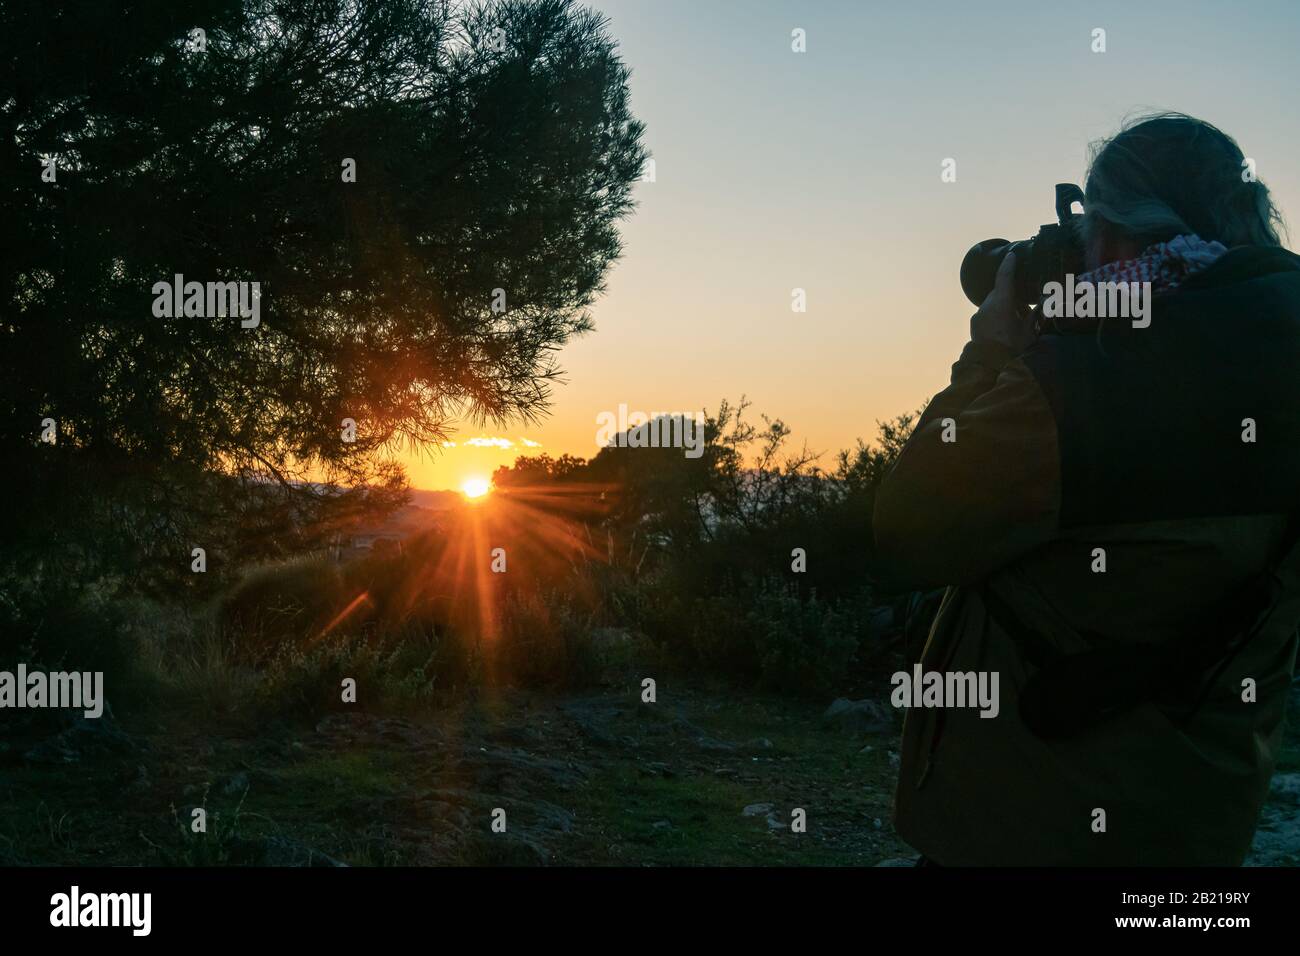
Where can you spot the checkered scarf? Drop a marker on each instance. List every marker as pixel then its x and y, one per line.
pixel 1166 265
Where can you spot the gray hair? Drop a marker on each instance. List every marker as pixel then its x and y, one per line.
pixel 1170 174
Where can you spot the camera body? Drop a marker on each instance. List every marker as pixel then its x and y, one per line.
pixel 1056 251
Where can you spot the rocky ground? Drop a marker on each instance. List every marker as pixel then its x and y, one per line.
pixel 698 777
pixel 702 776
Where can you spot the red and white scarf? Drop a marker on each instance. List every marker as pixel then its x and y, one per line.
pixel 1166 265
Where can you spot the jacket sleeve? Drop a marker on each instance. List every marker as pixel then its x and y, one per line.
pixel 978 483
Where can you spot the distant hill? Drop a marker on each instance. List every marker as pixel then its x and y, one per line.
pixel 423 513
pixel 435 500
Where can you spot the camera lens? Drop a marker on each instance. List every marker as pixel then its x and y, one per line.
pixel 979 268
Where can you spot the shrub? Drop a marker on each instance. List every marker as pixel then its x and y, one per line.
pixel 285 602
pixel 395 673
pixel 803 647
pixel 57 625
pixel 545 641
pixel 762 632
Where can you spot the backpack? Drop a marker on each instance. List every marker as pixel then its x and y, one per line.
pixel 1070 693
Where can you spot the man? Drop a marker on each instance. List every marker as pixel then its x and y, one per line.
pixel 1111 507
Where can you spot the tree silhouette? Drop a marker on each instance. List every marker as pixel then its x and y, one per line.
pixel 494 154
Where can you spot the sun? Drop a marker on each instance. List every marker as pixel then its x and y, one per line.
pixel 476 487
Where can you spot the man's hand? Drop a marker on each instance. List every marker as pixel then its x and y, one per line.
pixel 1000 318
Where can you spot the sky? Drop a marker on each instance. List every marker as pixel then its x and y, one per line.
pixel 821 171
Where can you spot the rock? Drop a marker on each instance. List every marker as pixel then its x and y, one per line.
pixel 594 718
pixel 858 717
pixel 538 814
pixel 518 736
pixel 686 732
pixel 1285 789
pixel 233 785
pixel 757 810
pixel 86 737
pixel 666 720
pixel 500 767
pixel 1277 838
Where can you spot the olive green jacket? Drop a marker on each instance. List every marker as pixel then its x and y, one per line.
pixel 1105 488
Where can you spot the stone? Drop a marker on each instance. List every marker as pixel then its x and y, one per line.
pixel 858 717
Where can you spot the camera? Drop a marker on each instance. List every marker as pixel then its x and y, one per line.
pixel 1056 251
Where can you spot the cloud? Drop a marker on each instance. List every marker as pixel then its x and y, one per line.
pixel 485 442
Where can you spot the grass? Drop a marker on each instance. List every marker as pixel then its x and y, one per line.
pixel 367 802
pixel 843 791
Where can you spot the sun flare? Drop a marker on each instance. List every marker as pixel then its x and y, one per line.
pixel 475 487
